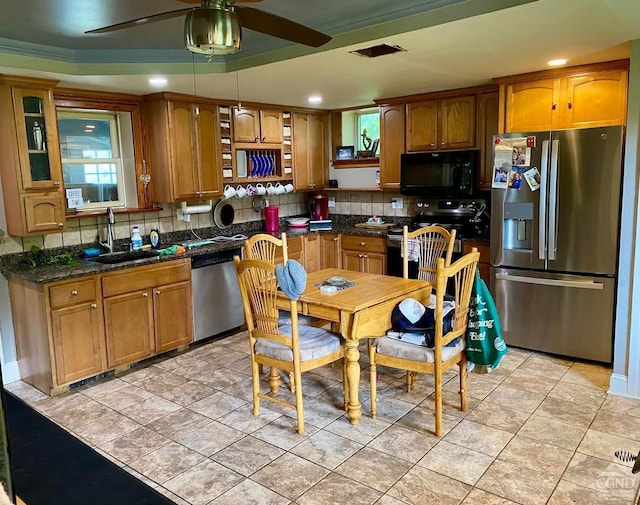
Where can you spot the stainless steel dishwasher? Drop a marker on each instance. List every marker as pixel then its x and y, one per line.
pixel 217 306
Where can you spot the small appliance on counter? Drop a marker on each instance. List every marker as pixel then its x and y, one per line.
pixel 320 224
pixel 271 220
pixel 319 206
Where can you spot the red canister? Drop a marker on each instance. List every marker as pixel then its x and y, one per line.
pixel 271 222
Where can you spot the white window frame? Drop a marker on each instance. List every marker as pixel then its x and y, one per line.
pixel 356 124
pixel 116 136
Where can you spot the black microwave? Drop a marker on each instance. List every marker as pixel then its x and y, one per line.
pixel 442 174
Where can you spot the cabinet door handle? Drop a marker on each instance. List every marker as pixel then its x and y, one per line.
pixel 94 305
pixel 553 106
pixel 365 256
pixel 157 291
pixel 74 292
pixel 432 145
pixel 60 225
pixel 264 139
pixel 145 294
pixel 335 239
pixel 56 183
pixel 363 243
pixel 257 139
pixel 443 144
pixel 569 105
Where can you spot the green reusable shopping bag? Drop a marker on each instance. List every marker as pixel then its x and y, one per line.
pixel 485 345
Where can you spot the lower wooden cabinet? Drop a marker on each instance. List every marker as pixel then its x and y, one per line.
pixel 295 249
pixel 330 250
pixel 484 265
pixel 364 254
pixel 312 252
pixel 172 316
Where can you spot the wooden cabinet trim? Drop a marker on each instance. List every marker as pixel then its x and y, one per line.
pixel 145 277
pixel 564 72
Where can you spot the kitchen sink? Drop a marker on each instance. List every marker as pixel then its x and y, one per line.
pixel 121 257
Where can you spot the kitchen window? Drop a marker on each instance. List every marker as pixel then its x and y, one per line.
pixel 369 121
pixel 97 153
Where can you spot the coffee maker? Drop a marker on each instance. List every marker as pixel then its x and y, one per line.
pixel 319 206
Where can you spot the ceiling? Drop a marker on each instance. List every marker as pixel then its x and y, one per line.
pixel 448 43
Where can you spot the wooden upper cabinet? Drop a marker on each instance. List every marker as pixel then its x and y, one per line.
pixel 422 126
pixel 584 97
pixel 598 99
pixel 392 137
pixel 254 126
pixel 457 122
pixel 446 123
pixel 310 158
pixel 184 149
pixel 532 106
pixel 30 164
pixel 487 127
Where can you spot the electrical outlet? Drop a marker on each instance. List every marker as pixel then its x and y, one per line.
pixel 332 201
pixel 396 203
pixel 182 216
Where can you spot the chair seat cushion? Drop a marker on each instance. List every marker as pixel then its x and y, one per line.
pixel 397 349
pixel 284 318
pixel 314 343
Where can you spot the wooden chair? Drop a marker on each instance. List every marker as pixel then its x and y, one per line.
pixel 293 348
pixel 433 242
pixel 266 247
pixel 393 353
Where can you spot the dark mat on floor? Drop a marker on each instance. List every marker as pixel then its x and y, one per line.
pixel 51 467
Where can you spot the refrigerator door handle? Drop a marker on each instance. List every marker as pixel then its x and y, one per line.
pixel 551 282
pixel 542 223
pixel 553 200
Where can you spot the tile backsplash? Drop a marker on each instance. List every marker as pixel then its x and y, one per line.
pixel 87 230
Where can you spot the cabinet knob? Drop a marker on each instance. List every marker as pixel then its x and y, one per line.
pixel 60 225
pixel 157 291
pixel 432 145
pixel 94 305
pixel 74 292
pixel 443 144
pixel 56 183
pixel 360 255
pixel 257 139
pixel 264 139
pixel 335 239
pixel 569 105
pixel 363 243
pixel 365 256
pixel 145 294
pixel 553 106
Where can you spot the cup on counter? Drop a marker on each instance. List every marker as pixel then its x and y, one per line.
pixel 288 188
pixel 279 189
pixel 241 192
pixel 260 189
pixel 229 191
pixel 271 190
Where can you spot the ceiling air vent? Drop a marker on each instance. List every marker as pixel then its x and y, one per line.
pixel 381 50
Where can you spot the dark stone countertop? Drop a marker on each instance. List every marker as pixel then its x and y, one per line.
pixel 11 265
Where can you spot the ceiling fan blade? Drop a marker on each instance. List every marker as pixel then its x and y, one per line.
pixel 236 1
pixel 283 28
pixel 141 21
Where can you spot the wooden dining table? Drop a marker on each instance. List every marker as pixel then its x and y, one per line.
pixel 360 311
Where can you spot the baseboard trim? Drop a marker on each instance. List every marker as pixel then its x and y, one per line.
pixel 618 385
pixel 10 372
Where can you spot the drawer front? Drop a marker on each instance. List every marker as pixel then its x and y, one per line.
pixel 145 277
pixel 365 244
pixel 73 292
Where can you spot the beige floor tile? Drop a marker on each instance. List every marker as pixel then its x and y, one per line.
pixel 166 462
pixel 203 482
pixel 290 475
pixel 545 366
pixel 576 413
pixel 523 380
pixel 162 383
pixel 134 445
pixel 518 399
pixel 553 432
pixel 498 416
pixel 388 409
pixel 629 406
pixel 451 403
pixel 365 467
pixel 388 500
pixel 283 433
pixel 249 492
pixel 209 439
pixel 217 405
pixel 568 493
pixel 103 387
pixel 536 455
pixel 456 462
pixel 480 497
pixel 421 486
pixel 422 419
pixel 516 483
pixel 479 437
pixel 478 386
pixel 178 423
pixel 578 393
pixel 404 443
pixel 149 410
pixel 82 416
pixel 107 428
pixel 617 423
pixel 187 393
pixel 363 432
pixel 602 476
pixel 173 497
pixel 243 420
pixel 247 455
pixel 588 375
pixel 326 449
pixel 339 489
pixel 604 446
pixel 125 396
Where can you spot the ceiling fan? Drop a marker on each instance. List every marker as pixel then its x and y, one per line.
pixel 216 26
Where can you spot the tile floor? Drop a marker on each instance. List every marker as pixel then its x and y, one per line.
pixel 538 430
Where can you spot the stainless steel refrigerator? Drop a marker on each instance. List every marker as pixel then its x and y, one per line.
pixel 554 239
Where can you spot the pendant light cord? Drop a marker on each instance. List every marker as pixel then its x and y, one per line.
pixel 193 70
pixel 238 83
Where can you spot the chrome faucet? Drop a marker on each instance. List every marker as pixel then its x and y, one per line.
pixel 110 231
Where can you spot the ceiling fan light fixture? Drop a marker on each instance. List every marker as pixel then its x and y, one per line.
pixel 212 30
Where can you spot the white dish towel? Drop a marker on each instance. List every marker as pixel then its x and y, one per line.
pixel 413 249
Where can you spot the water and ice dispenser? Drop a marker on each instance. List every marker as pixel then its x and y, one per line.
pixel 518 222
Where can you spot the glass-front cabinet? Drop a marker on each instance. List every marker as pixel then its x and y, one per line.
pixel 30 164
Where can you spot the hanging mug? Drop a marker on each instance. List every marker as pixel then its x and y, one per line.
pixel 229 191
pixel 288 188
pixel 260 189
pixel 241 192
pixel 279 189
pixel 271 190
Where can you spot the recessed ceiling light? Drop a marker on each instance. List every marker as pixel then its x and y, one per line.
pixel 89 126
pixel 557 63
pixel 315 99
pixel 158 82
